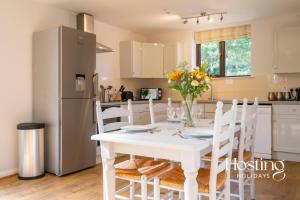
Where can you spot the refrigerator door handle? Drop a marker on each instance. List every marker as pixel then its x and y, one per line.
pixel 95 86
pixel 94 112
pixel 95 95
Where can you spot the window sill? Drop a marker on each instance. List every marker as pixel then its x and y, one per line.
pixel 232 77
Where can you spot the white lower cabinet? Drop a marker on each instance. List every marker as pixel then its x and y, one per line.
pixel 141 114
pixel 141 118
pixel 263 137
pixel 286 129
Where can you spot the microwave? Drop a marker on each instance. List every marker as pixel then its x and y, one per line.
pixel 150 93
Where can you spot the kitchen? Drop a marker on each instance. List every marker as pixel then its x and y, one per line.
pixel 272 24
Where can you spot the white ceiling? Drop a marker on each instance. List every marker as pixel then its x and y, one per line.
pixel 149 15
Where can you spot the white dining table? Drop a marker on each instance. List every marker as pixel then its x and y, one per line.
pixel 162 143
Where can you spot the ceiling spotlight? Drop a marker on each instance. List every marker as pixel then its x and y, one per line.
pixel 221 18
pixel 185 21
pixel 167 11
pixel 210 20
pixel 197 20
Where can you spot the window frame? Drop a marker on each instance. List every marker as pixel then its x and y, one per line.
pixel 222 60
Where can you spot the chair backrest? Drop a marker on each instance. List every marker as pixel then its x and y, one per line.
pixel 224 127
pixel 113 112
pixel 158 111
pixel 248 128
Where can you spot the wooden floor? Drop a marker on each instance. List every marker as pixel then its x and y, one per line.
pixel 87 185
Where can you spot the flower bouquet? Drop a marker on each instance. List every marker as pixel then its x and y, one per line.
pixel 190 85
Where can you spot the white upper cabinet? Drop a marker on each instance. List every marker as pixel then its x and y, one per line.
pixel 172 56
pixel 152 60
pixel 130 59
pixel 148 60
pixel 287 51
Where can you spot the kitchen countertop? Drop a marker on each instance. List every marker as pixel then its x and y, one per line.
pixel 118 103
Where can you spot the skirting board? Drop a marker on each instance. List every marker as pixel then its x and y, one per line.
pixel 262 155
pixel 286 156
pixel 8 172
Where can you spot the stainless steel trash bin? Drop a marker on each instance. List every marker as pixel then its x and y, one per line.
pixel 31 150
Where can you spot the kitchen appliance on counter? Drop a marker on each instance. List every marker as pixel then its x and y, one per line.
pixel 292 95
pixel 64 94
pixel 153 93
pixel 296 93
pixel 127 95
pixel 272 96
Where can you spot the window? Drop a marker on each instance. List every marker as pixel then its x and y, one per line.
pixel 226 58
pixel 210 54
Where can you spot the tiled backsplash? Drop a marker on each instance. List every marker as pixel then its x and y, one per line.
pixel 224 88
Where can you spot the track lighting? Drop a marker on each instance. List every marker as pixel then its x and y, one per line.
pixel 204 14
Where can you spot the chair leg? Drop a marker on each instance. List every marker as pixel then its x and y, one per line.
pixel 156 189
pixel 252 184
pixel 144 188
pixel 199 197
pixel 132 190
pixel 241 184
pixel 227 190
pixel 180 196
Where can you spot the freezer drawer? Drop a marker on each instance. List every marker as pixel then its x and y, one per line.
pixel 78 151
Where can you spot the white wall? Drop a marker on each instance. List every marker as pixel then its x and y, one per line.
pixel 19 19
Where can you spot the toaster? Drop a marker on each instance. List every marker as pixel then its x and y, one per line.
pixel 127 95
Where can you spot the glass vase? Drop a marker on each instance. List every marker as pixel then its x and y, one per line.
pixel 187 113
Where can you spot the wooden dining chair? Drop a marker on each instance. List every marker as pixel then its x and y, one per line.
pixel 158 111
pixel 245 151
pixel 129 170
pixel 213 182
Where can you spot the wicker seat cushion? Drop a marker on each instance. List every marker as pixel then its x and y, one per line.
pixel 143 167
pixel 175 179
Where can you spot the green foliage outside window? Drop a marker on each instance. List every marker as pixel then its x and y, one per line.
pixel 237 57
pixel 210 54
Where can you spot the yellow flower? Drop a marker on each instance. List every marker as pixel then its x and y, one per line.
pixel 175 75
pixel 195 72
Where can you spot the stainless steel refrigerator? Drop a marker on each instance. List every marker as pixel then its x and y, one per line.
pixel 64 93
